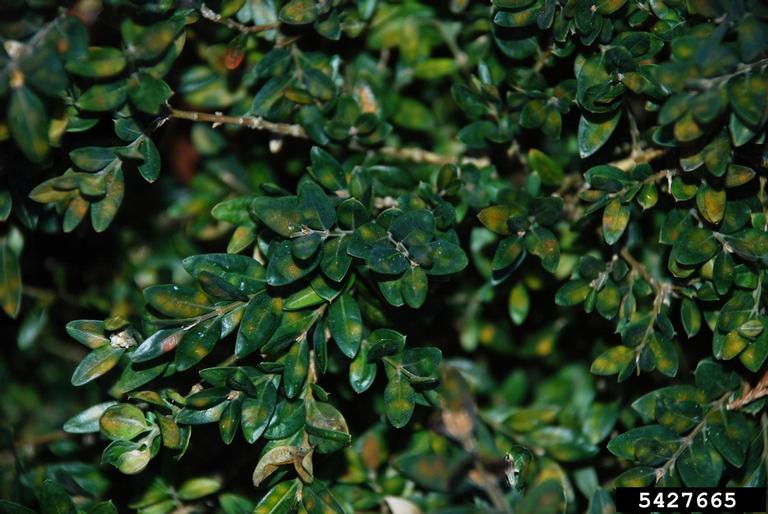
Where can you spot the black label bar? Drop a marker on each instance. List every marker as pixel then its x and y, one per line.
pixel 691 499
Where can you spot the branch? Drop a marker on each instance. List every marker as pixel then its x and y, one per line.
pixel 209 14
pixel 425 157
pixel 759 391
pixel 687 440
pixel 251 122
pixel 639 267
pixel 41 439
pixel 416 155
pixel 635 158
pixel 707 83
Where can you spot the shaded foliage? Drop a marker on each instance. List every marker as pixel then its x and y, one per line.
pixel 333 256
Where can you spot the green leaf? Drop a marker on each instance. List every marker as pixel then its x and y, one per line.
pixel 642 476
pixel 92 158
pixel 696 466
pixel 287 419
pixel 736 311
pixel 97 363
pixel 420 365
pixel 541 242
pixel 691 317
pixel 150 167
pixel 98 62
pixel 123 421
pixel 197 342
pixel 10 280
pixel 714 379
pixel 335 259
pixel 518 18
pixel 327 427
pixel 303 299
pixel 751 244
pixel 345 323
pixel 447 258
pixel 607 178
pixel 711 203
pixel 326 170
pixel 281 499
pixel 230 420
pixel 103 97
pixel 413 115
pixel 362 373
pixel 694 246
pixel 572 292
pixel 149 42
pixel 508 256
pixel 296 367
pixel 386 259
pixel 240 271
pixel 218 288
pixel 632 444
pixel 594 132
pixel 317 500
pixel 157 344
pixel 148 93
pixel 87 422
pixel 432 69
pixel 198 487
pixel 298 12
pixel 177 301
pixel 28 123
pixel 6 204
pixel 664 355
pixel 612 361
pixel 257 413
pixel 103 211
pixel 304 247
pixel 235 504
pixel 495 218
pixel 399 401
pixel 756 353
pixel 431 471
pixel 284 269
pixel 54 499
pixel 317 212
pixel 128 457
pixel 384 342
pixel 414 286
pixel 280 214
pixel 270 94
pixel 746 94
pixel 730 433
pixel 615 220
pixel 519 303
pixel 549 170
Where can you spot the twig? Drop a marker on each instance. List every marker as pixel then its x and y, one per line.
pixel 209 14
pixel 639 267
pixel 416 155
pixel 541 60
pixel 687 440
pixel 707 83
pixel 576 180
pixel 425 157
pixel 251 122
pixel 755 393
pixel 41 439
pixel 635 158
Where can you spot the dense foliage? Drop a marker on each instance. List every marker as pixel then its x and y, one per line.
pixel 335 256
